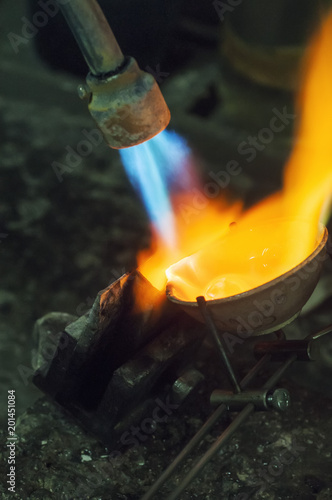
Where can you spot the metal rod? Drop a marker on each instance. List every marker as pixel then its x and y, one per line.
pixel 281 350
pixel 214 332
pixel 254 370
pixel 241 417
pixel 227 434
pixel 279 373
pixel 321 333
pixel 186 450
pixel 93 35
pixel 201 433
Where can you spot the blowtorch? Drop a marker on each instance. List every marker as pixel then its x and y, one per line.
pixel 125 102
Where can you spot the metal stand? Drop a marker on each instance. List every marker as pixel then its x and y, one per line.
pixel 244 401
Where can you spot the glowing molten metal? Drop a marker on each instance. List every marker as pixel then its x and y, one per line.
pixel 219 260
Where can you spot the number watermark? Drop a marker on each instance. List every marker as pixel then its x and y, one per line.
pixel 11 441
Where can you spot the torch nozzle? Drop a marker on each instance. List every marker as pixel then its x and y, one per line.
pixel 125 102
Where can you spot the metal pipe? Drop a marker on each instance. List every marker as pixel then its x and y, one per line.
pixel 279 373
pixel 214 448
pixel 201 433
pixel 93 35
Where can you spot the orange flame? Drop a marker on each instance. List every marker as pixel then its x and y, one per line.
pixel 195 228
pixel 278 233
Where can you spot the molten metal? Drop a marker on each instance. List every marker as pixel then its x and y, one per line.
pixel 267 307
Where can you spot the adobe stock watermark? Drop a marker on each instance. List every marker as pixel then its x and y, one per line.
pixel 211 190
pixel 275 468
pixel 254 144
pixel 133 438
pixel 223 7
pixel 157 73
pixel 248 148
pixel 94 138
pixel 55 342
pixel 74 157
pixel 138 434
pixel 263 311
pixel 30 28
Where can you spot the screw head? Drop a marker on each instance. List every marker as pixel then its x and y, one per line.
pixel 83 91
pixel 279 399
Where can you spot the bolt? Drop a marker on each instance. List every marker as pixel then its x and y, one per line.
pixel 279 399
pixel 83 91
pixel 185 384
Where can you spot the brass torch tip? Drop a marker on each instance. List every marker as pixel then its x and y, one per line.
pixel 127 106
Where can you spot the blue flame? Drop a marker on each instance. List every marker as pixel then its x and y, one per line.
pixel 155 168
